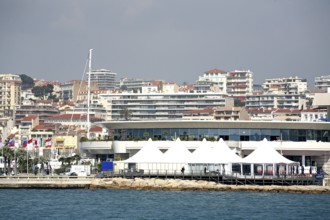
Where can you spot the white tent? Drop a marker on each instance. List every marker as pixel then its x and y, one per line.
pixel 221 153
pixel 176 157
pixel 266 160
pixel 149 153
pixel 202 153
pixel 178 153
pixel 264 153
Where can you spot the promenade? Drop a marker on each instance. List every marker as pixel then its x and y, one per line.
pixel 64 182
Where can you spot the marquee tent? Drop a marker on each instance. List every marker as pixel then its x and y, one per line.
pixel 178 153
pixel 265 160
pixel 149 153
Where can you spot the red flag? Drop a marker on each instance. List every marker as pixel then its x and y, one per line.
pixel 48 143
pixel 36 144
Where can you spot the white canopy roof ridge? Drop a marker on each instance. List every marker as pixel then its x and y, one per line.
pixel 265 154
pixel 178 153
pixel 224 154
pixel 149 153
pixel 202 153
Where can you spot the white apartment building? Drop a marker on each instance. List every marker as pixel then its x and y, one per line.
pixel 322 82
pixel 10 93
pixel 313 115
pixel 217 76
pixel 270 101
pixel 239 83
pixel 130 84
pixel 291 85
pixel 105 79
pixel 160 106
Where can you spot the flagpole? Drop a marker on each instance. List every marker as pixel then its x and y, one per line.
pixel 27 161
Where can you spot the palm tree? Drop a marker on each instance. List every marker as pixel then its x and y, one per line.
pixel 8 155
pixel 76 158
pixel 126 114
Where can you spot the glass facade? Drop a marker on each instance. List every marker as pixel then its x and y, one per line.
pixel 230 134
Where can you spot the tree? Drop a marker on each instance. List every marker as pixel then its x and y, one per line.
pixel 126 114
pixel 8 155
pixel 27 82
pixel 43 91
pixel 238 103
pixel 146 135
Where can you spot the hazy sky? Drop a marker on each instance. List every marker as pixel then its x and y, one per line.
pixel 173 40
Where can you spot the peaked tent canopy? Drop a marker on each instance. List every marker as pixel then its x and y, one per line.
pixel 265 154
pixel 178 153
pixel 149 153
pixel 202 153
pixel 221 153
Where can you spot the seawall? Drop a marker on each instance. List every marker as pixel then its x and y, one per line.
pixel 149 184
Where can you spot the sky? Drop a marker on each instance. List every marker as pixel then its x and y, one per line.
pixel 172 40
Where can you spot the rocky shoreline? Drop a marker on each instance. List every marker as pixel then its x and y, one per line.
pixel 151 184
pixel 198 185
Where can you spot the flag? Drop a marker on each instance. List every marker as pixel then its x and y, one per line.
pixel 11 143
pixel 36 145
pixel 48 143
pixel 30 144
pixel 24 143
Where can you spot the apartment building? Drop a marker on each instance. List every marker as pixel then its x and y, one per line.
pixel 231 113
pixel 291 85
pixel 322 82
pixel 70 90
pixel 239 83
pixel 271 101
pixel 104 79
pixel 131 106
pixel 131 84
pixel 42 108
pixel 216 76
pixel 10 93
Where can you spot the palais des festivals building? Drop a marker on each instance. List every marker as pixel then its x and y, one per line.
pixel 305 142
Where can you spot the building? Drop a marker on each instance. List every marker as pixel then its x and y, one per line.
pixel 288 86
pixel 77 120
pixel 159 106
pixel 316 115
pixel 70 90
pixel 322 82
pixel 216 76
pixel 132 85
pixel 200 114
pixel 10 93
pixel 104 79
pixel 42 108
pixel 240 83
pixel 274 101
pixel 305 142
pixel 231 113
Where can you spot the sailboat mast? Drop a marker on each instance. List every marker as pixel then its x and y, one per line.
pixel 89 90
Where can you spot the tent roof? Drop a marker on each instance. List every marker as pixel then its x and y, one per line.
pixel 223 154
pixel 149 153
pixel 202 153
pixel 178 153
pixel 266 154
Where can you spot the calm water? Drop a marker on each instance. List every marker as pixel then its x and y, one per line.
pixel 134 204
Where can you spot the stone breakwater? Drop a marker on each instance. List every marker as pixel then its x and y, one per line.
pixel 177 184
pixel 149 184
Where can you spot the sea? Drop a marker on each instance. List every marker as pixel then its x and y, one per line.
pixel 143 204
